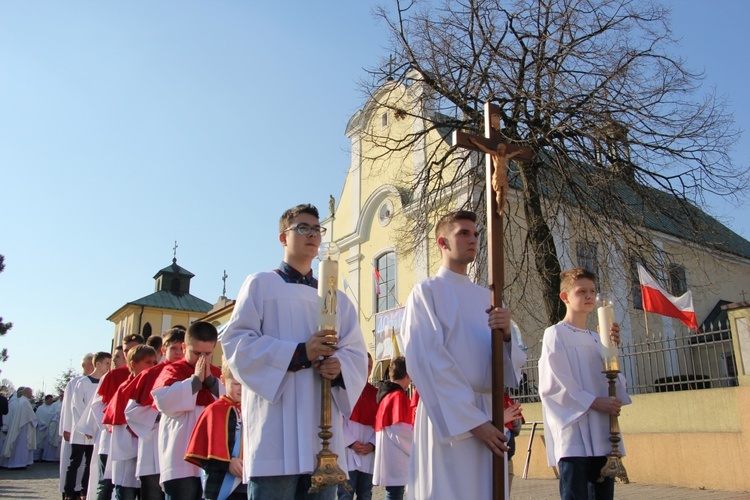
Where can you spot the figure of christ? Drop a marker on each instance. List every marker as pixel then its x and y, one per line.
pixel 500 173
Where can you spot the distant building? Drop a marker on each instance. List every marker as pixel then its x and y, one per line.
pixel 170 305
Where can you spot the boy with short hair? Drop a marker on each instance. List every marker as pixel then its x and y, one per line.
pixel 394 430
pixel 124 447
pixel 575 394
pixel 181 392
pixel 82 447
pixel 275 348
pixel 215 445
pixel 359 438
pixel 105 393
pixel 143 417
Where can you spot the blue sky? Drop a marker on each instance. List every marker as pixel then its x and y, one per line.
pixel 125 126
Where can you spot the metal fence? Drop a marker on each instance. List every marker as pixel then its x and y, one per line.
pixel 701 360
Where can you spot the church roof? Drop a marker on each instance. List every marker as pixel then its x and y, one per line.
pixel 174 269
pixel 648 207
pixel 169 300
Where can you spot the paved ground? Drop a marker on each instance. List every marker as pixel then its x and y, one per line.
pixel 40 481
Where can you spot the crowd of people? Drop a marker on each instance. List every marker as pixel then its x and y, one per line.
pixel 157 420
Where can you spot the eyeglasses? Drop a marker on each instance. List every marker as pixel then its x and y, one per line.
pixel 304 229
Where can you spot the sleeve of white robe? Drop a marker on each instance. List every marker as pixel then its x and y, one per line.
pixel 352 354
pixel 444 391
pixel 400 434
pixel 66 418
pixel 261 361
pixel 141 419
pixel 175 399
pixel 563 395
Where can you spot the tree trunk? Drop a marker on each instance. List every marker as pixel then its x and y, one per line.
pixel 540 238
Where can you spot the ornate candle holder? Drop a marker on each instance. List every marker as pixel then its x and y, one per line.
pixel 327 471
pixel 606 314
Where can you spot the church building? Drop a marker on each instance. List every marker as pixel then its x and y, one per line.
pixel 170 305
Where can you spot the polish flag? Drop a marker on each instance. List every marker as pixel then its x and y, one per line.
pixel 658 301
pixel 377 281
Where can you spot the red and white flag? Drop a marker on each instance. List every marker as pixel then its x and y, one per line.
pixel 657 300
pixel 377 281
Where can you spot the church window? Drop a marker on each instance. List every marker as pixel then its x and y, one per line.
pixel 385 282
pixel 384 120
pixel 588 258
pixel 175 287
pixel 677 279
pixel 385 213
pixel 146 330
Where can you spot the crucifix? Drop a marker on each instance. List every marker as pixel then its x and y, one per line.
pixel 224 279
pixel 175 250
pixel 496 193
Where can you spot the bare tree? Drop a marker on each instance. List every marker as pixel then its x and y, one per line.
pixel 626 140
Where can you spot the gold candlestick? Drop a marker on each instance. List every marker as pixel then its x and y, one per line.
pixel 606 314
pixel 327 471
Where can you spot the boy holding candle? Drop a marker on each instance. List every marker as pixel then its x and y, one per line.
pixel 274 347
pixel 574 392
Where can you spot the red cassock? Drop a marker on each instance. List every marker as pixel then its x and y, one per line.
pixel 144 384
pixel 209 440
pixel 109 384
pixel 394 408
pixel 367 406
pixel 114 413
pixel 181 370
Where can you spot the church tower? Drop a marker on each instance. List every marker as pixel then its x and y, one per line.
pixel 170 305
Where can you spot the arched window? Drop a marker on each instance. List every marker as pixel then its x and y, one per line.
pixel 385 282
pixel 146 331
pixel 175 288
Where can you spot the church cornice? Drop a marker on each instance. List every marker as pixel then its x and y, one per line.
pixel 367 215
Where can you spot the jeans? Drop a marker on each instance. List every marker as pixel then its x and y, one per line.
pixel 105 487
pixel 150 489
pixel 286 488
pixel 77 453
pixel 361 485
pixel 394 492
pixel 125 493
pixel 184 488
pixel 579 479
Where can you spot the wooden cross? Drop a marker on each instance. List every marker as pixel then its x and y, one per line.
pixel 224 279
pixel 496 191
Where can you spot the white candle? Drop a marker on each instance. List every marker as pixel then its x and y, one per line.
pixel 328 279
pixel 328 272
pixel 606 313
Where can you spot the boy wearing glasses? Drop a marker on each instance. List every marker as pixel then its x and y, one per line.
pixel 274 348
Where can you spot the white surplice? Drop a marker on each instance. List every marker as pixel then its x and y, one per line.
pixel 20 442
pixel 281 408
pixel 143 421
pixel 66 425
pixel 393 446
pixel 177 404
pixel 44 416
pixel 570 378
pixel 354 431
pixel 448 350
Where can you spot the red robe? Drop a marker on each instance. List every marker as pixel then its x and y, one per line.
pixel 109 384
pixel 394 408
pixel 114 413
pixel 210 438
pixel 367 406
pixel 144 384
pixel 181 370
